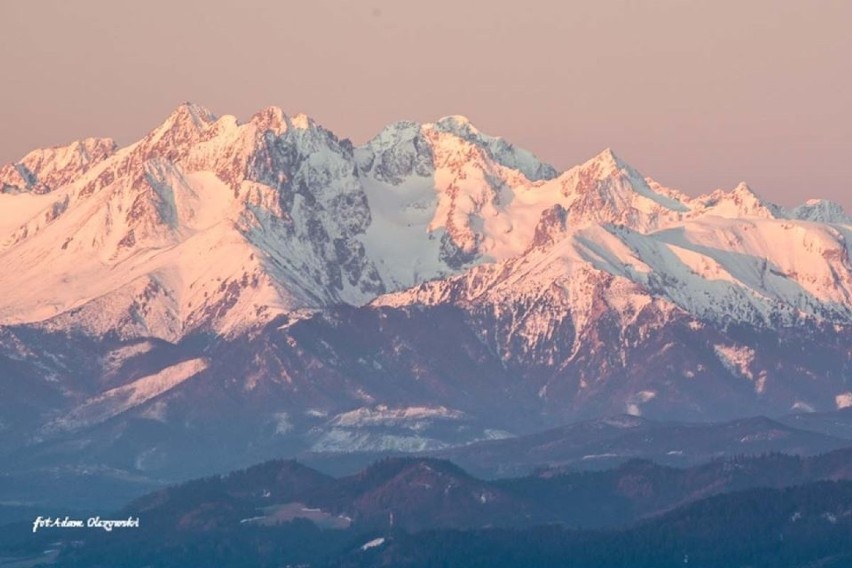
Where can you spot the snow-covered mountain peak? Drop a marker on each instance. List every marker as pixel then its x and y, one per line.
pixel 92 149
pixel 606 164
pixel 821 211
pixel 302 121
pixel 279 196
pixel 393 134
pixel 174 137
pixel 457 124
pixel 185 119
pixel 275 120
pixel 393 131
pixel 742 201
pixel 46 169
pixel 189 112
pixel 743 191
pixel 408 148
pixel 498 149
pixel 398 152
pixel 606 189
pixel 271 118
pixel 594 174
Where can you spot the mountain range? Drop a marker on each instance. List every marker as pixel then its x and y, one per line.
pixel 221 292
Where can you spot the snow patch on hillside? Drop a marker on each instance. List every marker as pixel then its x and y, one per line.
pixel 635 402
pixel 738 359
pixel 338 440
pixel 121 399
pixel 843 400
pixel 385 416
pixel 373 543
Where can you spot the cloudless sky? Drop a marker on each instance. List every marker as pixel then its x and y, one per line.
pixel 697 94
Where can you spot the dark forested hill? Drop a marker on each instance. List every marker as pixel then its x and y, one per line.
pixel 750 511
pixel 804 526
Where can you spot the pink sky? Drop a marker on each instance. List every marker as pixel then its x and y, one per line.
pixel 697 94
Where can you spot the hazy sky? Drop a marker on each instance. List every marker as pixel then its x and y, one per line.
pixel 697 94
